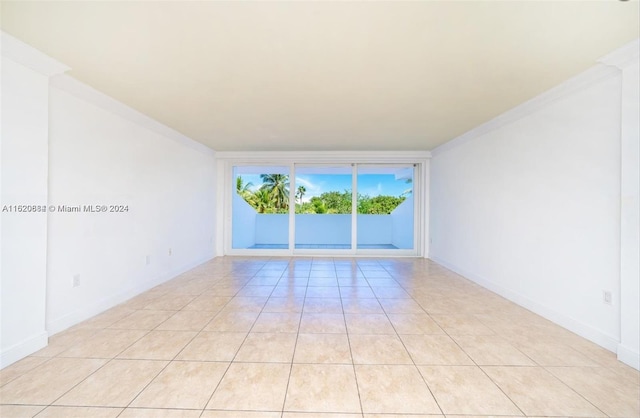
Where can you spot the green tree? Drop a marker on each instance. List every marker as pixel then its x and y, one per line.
pixel 378 205
pixel 277 186
pixel 336 202
pixel 261 201
pixel 301 191
pixel 242 188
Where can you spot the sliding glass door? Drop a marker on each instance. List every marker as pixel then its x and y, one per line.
pixel 324 209
pixel 385 207
pixel 260 208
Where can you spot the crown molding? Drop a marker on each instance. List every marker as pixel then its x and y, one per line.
pixel 595 74
pixel 18 51
pixel 624 56
pixel 607 66
pixel 326 156
pixel 87 93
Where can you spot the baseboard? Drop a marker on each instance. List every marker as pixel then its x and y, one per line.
pixel 573 325
pixel 629 356
pixel 62 323
pixel 23 349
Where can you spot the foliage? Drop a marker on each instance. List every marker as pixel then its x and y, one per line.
pixel 273 197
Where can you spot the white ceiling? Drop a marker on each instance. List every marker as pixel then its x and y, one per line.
pixel 323 75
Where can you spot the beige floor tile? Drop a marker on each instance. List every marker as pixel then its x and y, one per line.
pixel 46 383
pixel 170 302
pixel 394 389
pixel 401 306
pixel 553 354
pixel 116 384
pixel 382 292
pixel 356 292
pixel 246 304
pixel 361 306
pixel 322 388
pixel 435 350
pixel 409 416
pixel 368 324
pixel 318 415
pixel 323 292
pixel 466 390
pixel 490 350
pixel 289 304
pixel 536 392
pixel 240 414
pixel 19 368
pixel 322 349
pixel 351 280
pixel 378 349
pixel 79 412
pixel 295 290
pixel 323 305
pixel 323 279
pixel 144 319
pixel 158 345
pixel 213 346
pixel 207 303
pixel 627 373
pixel 62 341
pixel 252 387
pixel 187 321
pixel 232 322
pixel 322 323
pixel 182 385
pixel 256 291
pixel 277 322
pixel 420 323
pixel 490 416
pixel 267 348
pixel 107 318
pixel 19 411
pixel 462 325
pixel 603 388
pixel 106 343
pixel 160 413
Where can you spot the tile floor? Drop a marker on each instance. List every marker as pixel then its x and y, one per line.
pixel 259 337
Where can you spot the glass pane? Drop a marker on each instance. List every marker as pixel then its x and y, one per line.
pixel 260 215
pixel 385 207
pixel 323 207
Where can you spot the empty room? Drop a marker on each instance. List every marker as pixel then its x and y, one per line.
pixel 330 209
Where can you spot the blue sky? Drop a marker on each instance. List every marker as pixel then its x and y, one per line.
pixel 368 184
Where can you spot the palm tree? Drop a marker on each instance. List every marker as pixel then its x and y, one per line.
pixel 301 191
pixel 277 185
pixel 242 188
pixel 260 200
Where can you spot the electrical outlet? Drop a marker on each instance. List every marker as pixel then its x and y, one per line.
pixel 76 280
pixel 148 260
pixel 606 297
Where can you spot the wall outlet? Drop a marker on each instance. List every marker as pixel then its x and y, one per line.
pixel 148 260
pixel 606 297
pixel 76 280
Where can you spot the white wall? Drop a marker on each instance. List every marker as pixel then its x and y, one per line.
pixel 24 235
pixel 530 208
pixel 629 347
pixel 97 157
